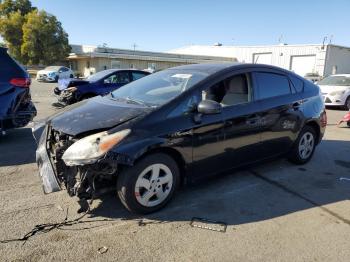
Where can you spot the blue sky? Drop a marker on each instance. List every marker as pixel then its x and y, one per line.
pixel 163 25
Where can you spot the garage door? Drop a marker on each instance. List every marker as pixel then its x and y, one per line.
pixel 303 64
pixel 262 58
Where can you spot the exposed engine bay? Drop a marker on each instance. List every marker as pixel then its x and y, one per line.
pixel 81 180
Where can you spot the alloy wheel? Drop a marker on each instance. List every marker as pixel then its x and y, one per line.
pixel 306 145
pixel 153 185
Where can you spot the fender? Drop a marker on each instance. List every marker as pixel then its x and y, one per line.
pixel 128 153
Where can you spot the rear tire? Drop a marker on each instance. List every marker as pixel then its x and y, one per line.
pixel 304 146
pixel 148 185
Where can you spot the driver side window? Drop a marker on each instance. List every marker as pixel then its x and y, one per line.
pixel 230 91
pixel 118 78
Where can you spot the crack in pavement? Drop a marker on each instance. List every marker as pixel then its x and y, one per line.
pixel 296 194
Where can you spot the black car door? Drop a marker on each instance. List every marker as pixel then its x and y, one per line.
pixel 242 121
pixel 206 133
pixel 281 116
pixel 231 138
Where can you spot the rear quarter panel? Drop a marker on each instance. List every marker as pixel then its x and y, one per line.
pixel 313 105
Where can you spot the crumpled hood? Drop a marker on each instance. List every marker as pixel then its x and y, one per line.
pixel 327 89
pixel 95 114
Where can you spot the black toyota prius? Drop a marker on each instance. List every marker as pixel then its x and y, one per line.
pixel 180 124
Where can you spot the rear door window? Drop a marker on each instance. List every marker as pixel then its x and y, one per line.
pixel 137 75
pixel 272 85
pixel 297 83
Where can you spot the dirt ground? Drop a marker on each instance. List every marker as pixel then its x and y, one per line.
pixel 274 212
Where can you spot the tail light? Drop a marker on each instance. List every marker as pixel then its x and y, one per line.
pixel 324 119
pixel 21 82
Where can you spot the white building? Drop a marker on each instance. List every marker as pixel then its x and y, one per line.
pixel 86 60
pixel 302 59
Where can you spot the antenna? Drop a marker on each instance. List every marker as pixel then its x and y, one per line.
pixel 330 39
pixel 280 39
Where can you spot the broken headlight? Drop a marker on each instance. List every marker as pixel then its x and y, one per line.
pixel 89 149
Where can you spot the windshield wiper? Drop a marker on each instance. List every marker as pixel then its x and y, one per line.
pixel 135 101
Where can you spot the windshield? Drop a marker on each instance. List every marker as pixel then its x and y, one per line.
pixel 161 87
pixel 52 68
pixel 335 81
pixel 98 76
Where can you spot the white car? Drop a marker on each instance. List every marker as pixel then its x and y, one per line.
pixel 336 90
pixel 53 73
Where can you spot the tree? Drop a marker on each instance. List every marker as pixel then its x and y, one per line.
pixel 11 31
pixel 44 40
pixel 11 6
pixel 32 36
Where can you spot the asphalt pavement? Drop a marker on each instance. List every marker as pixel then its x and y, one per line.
pixel 275 211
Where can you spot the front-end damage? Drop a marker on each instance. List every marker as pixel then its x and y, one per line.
pixel 83 181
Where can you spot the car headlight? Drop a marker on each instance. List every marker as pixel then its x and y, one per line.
pixel 71 89
pixel 89 149
pixel 337 93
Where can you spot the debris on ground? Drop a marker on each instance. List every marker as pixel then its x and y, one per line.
pixel 208 224
pixel 102 250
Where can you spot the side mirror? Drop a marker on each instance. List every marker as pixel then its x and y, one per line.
pixel 207 107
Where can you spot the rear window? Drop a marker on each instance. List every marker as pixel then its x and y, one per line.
pixel 272 85
pixel 9 68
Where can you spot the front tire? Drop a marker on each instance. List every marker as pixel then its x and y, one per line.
pixel 148 185
pixel 304 146
pixel 347 103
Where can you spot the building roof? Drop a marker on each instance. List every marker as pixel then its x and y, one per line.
pixel 230 51
pixel 82 51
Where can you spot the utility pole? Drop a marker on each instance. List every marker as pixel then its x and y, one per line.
pixel 134 46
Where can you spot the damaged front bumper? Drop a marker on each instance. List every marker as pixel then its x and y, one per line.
pixel 56 175
pixel 66 97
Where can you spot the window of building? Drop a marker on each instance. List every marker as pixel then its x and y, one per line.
pixel 272 85
pixel 152 66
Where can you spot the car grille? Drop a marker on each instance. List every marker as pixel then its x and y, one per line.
pixel 57 144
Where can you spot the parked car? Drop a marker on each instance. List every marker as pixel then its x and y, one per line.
pixel 313 77
pixel 54 73
pixel 16 107
pixel 101 83
pixel 180 124
pixel 336 90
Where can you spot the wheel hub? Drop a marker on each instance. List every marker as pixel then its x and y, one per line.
pixel 153 185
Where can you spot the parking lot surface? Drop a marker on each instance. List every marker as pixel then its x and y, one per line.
pixel 274 211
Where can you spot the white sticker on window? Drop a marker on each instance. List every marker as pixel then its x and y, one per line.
pixel 182 76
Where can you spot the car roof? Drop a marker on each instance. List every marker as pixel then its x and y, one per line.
pixel 122 69
pixel 212 68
